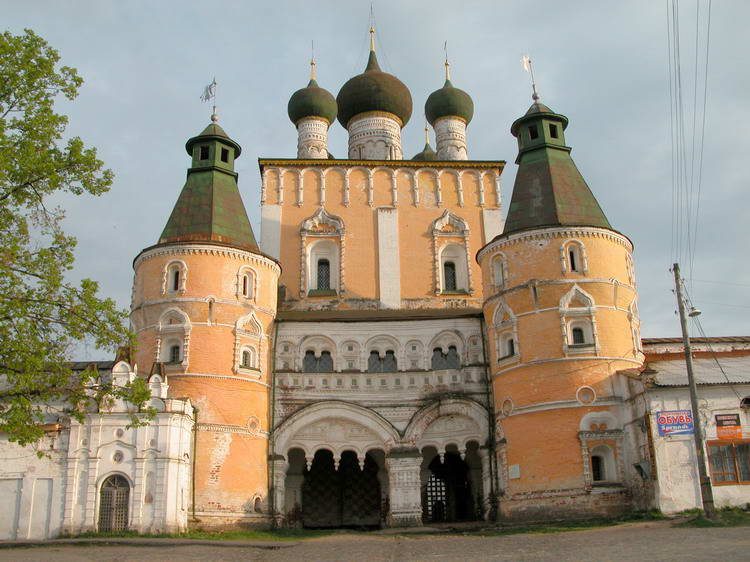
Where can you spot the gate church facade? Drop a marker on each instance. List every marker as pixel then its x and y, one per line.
pixel 392 353
pixel 360 367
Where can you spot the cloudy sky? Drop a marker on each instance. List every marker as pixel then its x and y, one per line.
pixel 603 64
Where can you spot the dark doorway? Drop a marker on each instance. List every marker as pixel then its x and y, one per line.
pixel 447 494
pixel 347 497
pixel 114 500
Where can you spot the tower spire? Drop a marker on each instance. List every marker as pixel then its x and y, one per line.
pixel 313 65
pixel 447 64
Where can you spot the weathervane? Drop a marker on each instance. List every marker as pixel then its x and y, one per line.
pixel 526 62
pixel 209 93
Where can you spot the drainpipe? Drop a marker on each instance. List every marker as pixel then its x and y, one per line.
pixel 192 472
pixel 491 409
pixel 271 420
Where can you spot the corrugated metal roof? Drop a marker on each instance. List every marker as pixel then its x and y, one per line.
pixel 674 373
pixel 721 339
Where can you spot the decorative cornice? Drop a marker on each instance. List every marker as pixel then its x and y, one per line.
pixel 495 165
pixel 554 232
pixel 226 428
pixel 207 249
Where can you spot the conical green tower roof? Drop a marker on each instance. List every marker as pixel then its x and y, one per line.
pixel 210 208
pixel 549 190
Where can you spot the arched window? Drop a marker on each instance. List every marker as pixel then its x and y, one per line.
pixel 449 276
pixel 324 275
pixel 389 362
pixel 175 280
pixel 325 362
pixel 174 353
pixel 499 272
pixel 438 360
pixel 246 359
pixel 578 336
pixel 309 363
pixel 598 472
pixel 373 363
pixel 452 359
pixel 573 257
pixel 114 503
pixel 174 277
pixel 246 285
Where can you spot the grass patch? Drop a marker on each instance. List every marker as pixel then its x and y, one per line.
pixel 725 517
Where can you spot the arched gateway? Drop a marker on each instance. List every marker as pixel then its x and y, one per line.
pixel 337 464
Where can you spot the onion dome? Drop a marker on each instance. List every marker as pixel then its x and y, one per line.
pixel 312 101
pixel 374 90
pixel 427 152
pixel 449 101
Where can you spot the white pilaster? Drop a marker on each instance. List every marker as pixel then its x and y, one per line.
pixel 405 490
pixel 389 262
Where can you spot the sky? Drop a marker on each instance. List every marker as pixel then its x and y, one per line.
pixel 602 64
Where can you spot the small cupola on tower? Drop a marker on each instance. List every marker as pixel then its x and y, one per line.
pixel 312 110
pixel 210 208
pixel 549 190
pixel 427 153
pixel 374 106
pixel 449 110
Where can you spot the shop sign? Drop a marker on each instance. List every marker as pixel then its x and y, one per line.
pixel 675 422
pixel 728 426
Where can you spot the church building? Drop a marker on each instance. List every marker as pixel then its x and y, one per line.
pixel 395 349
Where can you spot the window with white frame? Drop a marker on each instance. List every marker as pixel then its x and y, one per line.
pixel 580 333
pixel 248 358
pixel 499 271
pixel 175 277
pixel 603 468
pixel 453 267
pixel 323 267
pixel 504 323
pixel 175 353
pixel 573 257
pixel 246 283
pixel 577 317
pixel 173 334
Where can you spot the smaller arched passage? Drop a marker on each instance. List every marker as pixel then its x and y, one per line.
pixel 114 504
pixel 451 484
pixel 475 415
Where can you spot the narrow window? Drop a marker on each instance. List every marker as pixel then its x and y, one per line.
pixel 438 360
pixel 499 273
pixel 449 274
pixel 597 468
pixel 533 132
pixel 324 275
pixel 204 153
pixel 245 285
pixel 225 155
pixel 174 354
pixel 578 337
pixel 176 280
pixel 210 312
pixel 246 359
pixel 572 257
pixel 453 360
pixel 553 131
pixel 511 347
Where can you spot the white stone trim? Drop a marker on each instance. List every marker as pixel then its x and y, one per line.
pixel 206 249
pixel 557 232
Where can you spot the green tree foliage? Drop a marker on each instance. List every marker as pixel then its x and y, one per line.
pixel 42 315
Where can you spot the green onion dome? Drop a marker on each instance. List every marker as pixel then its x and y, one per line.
pixel 426 154
pixel 312 101
pixel 374 90
pixel 449 101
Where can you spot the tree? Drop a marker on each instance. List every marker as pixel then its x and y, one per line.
pixel 42 315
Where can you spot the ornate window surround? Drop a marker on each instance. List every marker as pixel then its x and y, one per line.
pixel 565 247
pixel 505 326
pixel 252 283
pixel 310 229
pixel 584 317
pixel 169 268
pixel 248 332
pixel 170 332
pixel 460 229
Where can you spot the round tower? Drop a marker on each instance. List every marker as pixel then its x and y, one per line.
pixel 449 110
pixel 374 106
pixel 562 320
pixel 312 110
pixel 204 301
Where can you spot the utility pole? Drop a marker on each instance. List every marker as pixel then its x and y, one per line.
pixel 707 494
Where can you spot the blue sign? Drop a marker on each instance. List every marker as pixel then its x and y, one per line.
pixel 675 422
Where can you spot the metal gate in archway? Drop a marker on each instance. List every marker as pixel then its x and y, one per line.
pixel 343 496
pixel 114 501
